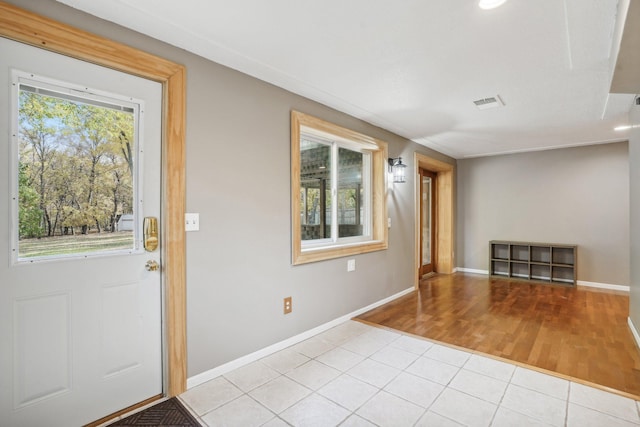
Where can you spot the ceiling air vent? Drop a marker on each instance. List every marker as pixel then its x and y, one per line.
pixel 491 102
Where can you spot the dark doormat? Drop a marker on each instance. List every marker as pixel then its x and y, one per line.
pixel 169 413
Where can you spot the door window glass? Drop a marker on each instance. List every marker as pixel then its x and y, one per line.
pixel 426 220
pixel 75 172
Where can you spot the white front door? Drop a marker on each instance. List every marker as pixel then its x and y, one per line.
pixel 80 314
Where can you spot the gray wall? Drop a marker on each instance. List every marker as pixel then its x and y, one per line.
pixel 634 169
pixel 575 195
pixel 238 162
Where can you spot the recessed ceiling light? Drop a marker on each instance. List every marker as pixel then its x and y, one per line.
pixel 490 4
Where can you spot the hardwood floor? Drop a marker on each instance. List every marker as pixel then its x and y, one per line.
pixel 577 332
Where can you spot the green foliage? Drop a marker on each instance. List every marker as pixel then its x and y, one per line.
pixel 29 211
pixel 76 166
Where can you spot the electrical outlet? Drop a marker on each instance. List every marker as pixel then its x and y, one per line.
pixel 287 305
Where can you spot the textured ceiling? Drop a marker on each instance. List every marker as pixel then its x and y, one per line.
pixel 415 67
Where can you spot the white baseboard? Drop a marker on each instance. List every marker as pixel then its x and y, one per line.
pixel 252 357
pixel 471 270
pixel 604 286
pixel 579 282
pixel 634 331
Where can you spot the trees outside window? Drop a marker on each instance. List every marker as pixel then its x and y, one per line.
pixel 75 168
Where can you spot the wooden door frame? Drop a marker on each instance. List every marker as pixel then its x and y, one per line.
pixel 445 220
pixel 36 30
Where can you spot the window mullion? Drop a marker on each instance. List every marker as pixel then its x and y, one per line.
pixel 334 192
pixel 368 196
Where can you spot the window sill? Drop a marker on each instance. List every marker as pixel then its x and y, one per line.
pixel 304 256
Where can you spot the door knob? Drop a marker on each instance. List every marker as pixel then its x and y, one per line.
pixel 152 265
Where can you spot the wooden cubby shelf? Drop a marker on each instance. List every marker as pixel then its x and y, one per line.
pixel 541 262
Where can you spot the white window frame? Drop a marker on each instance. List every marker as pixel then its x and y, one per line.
pixel 92 96
pixel 335 239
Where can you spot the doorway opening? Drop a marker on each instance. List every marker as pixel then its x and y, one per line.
pixel 443 224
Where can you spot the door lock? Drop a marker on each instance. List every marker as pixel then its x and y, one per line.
pixel 150 227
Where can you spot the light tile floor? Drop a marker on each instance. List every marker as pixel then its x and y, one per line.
pixel 359 375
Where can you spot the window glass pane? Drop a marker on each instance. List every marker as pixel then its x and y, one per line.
pixel 315 189
pixel 75 175
pixel 350 192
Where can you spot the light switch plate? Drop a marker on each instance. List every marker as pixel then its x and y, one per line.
pixel 351 265
pixel 191 221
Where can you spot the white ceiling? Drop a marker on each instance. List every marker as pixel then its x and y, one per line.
pixel 415 67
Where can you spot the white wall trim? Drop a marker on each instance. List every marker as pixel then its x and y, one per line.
pixel 471 270
pixel 634 331
pixel 604 286
pixel 611 287
pixel 252 357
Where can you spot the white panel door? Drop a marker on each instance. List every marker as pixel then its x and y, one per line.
pixel 80 324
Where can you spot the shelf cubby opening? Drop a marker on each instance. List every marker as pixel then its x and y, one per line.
pixel 541 272
pixel 562 274
pixel 519 253
pixel 563 256
pixel 541 254
pixel 500 251
pixel 500 268
pixel 520 270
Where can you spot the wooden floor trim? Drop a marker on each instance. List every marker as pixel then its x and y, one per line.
pixel 126 411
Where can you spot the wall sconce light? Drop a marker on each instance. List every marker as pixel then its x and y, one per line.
pixel 398 169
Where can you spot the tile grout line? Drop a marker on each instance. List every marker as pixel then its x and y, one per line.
pixel 379 389
pixel 509 361
pixel 566 411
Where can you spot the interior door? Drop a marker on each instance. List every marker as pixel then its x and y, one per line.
pixel 427 221
pixel 80 321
